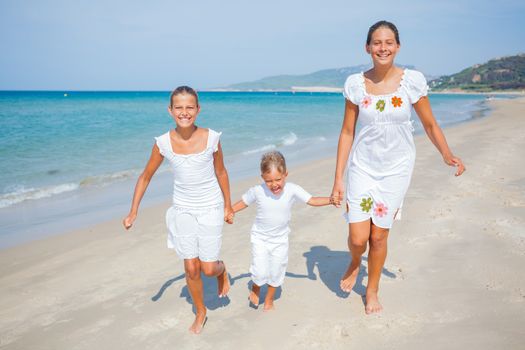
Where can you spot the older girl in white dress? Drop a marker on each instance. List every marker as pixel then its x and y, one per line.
pixel 380 159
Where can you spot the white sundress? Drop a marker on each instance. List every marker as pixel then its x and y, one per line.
pixel 383 153
pixel 195 219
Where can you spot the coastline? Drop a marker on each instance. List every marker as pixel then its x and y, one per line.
pixel 99 192
pixel 453 277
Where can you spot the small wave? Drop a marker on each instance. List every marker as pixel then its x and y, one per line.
pixel 109 178
pixel 261 149
pixel 20 194
pixel 24 194
pixel 287 140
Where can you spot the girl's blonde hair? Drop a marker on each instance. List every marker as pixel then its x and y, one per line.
pixel 273 160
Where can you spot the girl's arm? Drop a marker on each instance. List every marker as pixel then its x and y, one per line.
pixel 155 160
pixel 435 134
pixel 320 201
pixel 346 138
pixel 224 183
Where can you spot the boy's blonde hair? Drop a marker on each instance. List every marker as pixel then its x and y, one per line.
pixel 273 160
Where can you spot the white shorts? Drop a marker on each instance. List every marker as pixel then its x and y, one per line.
pixel 269 261
pixel 195 233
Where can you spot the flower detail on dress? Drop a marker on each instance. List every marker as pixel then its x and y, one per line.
pixel 366 204
pixel 380 210
pixel 380 105
pixel 397 101
pixel 367 101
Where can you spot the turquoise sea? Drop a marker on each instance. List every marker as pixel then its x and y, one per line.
pixel 68 159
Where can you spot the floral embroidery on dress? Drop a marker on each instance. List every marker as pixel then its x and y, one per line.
pixel 397 101
pixel 380 105
pixel 367 101
pixel 366 204
pixel 380 210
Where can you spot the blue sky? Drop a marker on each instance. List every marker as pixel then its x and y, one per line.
pixel 156 45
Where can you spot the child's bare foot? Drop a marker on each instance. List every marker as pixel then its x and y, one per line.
pixel 372 303
pixel 268 305
pixel 223 283
pixel 350 277
pixel 254 299
pixel 254 295
pixel 198 324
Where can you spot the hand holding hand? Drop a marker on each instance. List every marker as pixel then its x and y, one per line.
pixel 337 194
pixel 228 215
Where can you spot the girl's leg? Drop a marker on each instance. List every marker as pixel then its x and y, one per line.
pixel 376 261
pixel 358 235
pixel 268 301
pixel 217 269
pixel 193 280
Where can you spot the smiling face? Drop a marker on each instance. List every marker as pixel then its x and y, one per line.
pixel 275 180
pixel 383 46
pixel 184 110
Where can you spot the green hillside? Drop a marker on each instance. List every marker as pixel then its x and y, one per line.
pixel 326 78
pixel 505 73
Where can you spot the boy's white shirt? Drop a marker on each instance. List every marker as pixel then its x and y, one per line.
pixel 273 211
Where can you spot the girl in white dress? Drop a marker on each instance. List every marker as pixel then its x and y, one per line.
pixel 380 159
pixel 269 234
pixel 201 197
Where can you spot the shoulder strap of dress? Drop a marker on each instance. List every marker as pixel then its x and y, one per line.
pixel 213 139
pixel 163 143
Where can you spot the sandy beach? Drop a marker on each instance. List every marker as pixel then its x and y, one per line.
pixel 453 278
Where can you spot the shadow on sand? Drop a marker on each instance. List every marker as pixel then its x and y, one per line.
pixel 331 265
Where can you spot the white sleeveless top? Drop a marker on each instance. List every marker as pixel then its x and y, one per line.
pixel 194 182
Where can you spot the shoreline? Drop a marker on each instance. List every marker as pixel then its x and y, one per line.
pixel 98 201
pixel 454 267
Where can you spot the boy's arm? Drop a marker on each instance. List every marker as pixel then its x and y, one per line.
pixel 240 205
pixel 320 201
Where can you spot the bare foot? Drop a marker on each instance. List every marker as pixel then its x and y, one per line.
pixel 350 277
pixel 268 306
pixel 198 324
pixel 254 295
pixel 372 303
pixel 223 283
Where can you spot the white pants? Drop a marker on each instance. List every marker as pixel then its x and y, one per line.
pixel 269 261
pixel 195 233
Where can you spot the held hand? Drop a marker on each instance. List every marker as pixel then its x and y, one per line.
pixel 128 221
pixel 456 162
pixel 337 194
pixel 228 215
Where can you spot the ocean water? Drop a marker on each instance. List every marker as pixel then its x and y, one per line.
pixel 71 153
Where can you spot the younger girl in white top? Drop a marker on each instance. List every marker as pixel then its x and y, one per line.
pixel 201 197
pixel 269 235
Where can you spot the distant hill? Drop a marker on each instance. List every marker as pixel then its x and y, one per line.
pixel 327 78
pixel 505 73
